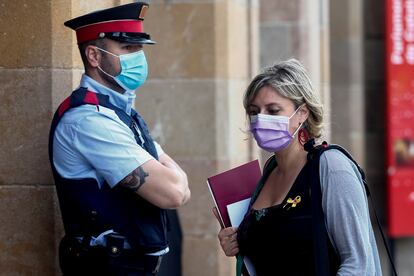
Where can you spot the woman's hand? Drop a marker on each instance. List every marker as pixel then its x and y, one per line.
pixel 227 237
pixel 228 241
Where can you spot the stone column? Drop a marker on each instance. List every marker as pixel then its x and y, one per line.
pixel 298 29
pixel 26 194
pixel 193 103
pixel 39 66
pixel 347 76
pixel 199 69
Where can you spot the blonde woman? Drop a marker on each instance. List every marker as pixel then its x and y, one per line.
pixel 277 232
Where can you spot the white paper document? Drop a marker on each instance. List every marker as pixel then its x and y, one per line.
pixel 236 212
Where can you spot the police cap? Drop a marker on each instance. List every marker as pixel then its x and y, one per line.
pixel 122 23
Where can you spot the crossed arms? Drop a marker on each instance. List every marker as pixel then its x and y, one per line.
pixel 163 183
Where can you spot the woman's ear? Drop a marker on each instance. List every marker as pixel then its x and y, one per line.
pixel 303 112
pixel 93 56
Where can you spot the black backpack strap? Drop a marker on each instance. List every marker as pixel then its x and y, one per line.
pixel 320 236
pixel 314 155
pixel 384 239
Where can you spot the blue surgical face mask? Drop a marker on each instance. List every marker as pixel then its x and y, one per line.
pixel 134 69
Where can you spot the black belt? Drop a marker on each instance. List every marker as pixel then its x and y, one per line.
pixel 76 256
pixel 129 258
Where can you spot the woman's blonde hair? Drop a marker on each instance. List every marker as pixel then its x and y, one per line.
pixel 290 79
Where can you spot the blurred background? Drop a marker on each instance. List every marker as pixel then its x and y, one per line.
pixel 207 51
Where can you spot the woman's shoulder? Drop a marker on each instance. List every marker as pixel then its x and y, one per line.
pixel 335 160
pixel 339 174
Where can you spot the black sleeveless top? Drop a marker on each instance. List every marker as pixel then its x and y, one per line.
pixel 278 239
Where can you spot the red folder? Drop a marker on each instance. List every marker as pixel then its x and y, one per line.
pixel 232 186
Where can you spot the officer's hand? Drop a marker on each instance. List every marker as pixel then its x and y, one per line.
pixel 228 241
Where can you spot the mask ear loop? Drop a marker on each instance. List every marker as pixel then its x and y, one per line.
pixel 303 133
pixel 300 124
pixel 100 68
pixel 297 109
pixel 105 51
pixel 297 130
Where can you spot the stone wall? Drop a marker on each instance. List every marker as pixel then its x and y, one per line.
pixel 298 29
pixel 347 76
pixel 206 52
pixel 26 194
pixel 199 68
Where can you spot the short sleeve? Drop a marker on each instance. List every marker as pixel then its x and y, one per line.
pixel 109 146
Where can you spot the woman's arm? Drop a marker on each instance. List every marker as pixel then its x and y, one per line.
pixel 347 216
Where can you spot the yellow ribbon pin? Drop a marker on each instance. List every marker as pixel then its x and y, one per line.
pixel 292 202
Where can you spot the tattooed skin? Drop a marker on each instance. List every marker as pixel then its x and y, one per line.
pixel 135 179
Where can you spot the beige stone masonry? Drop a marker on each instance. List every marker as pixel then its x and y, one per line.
pixel 204 58
pixel 199 70
pixel 27 230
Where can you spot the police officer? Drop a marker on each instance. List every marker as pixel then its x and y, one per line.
pixel 114 183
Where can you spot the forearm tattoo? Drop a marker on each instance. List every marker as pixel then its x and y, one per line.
pixel 135 179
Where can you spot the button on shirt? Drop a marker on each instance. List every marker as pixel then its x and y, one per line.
pixel 92 142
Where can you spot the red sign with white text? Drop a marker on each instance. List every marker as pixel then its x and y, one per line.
pixel 400 116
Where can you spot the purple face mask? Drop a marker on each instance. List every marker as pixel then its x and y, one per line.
pixel 272 131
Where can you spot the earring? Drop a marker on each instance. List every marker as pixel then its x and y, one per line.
pixel 303 136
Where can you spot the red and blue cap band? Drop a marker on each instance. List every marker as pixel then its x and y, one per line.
pixel 93 31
